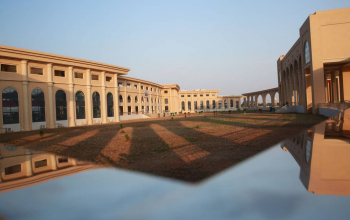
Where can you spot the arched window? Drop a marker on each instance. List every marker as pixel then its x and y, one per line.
pixel 201 105
pixel 61 105
pixel 80 105
pixel 195 105
pixel 10 111
pixel 142 99
pixel 38 105
pixel 225 103
pixel 110 105
pixel 208 104
pixel 307 52
pixel 120 98
pixel 96 105
pixel 213 103
pixel 189 105
pixel 129 99
pixel 183 105
pixel 136 99
pixel 295 67
pixel 219 104
pixel 231 103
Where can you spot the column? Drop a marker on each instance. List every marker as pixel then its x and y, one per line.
pixel 71 113
pixel 256 101
pixel 88 105
pixel 50 96
pixel 24 65
pixel 104 97
pixel 264 99
pixel 125 99
pixel 273 103
pixel 116 98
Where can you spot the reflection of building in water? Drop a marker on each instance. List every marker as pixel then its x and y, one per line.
pixel 323 154
pixel 18 164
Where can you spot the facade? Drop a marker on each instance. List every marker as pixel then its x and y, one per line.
pixel 316 69
pixel 322 152
pixel 42 90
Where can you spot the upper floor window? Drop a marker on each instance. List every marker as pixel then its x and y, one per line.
pixel 108 79
pixel 165 101
pixel 36 71
pixel 194 95
pixel 128 85
pixel 207 95
pixel 60 73
pixel 201 95
pixel 151 89
pixel 182 96
pixel 135 86
pixel 165 91
pixel 188 95
pixel 141 87
pixel 120 84
pixel 79 75
pixel 8 68
pixel 146 88
pixel 94 77
pixel 307 52
pixel 212 94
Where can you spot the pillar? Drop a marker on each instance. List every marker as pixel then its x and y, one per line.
pixel 88 105
pixel 50 96
pixel 273 103
pixel 239 103
pixel 24 65
pixel 71 114
pixel 264 99
pixel 116 98
pixel 104 97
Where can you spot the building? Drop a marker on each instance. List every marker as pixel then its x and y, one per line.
pixel 316 69
pixel 42 90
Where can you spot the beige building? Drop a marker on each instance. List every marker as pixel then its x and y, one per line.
pixel 316 69
pixel 42 90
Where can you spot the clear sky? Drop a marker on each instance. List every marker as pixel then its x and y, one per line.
pixel 224 44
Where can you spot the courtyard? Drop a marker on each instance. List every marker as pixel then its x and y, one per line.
pixel 188 148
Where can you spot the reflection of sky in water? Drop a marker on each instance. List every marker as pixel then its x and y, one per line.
pixel 264 187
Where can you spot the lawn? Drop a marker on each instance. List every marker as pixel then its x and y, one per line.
pixel 189 149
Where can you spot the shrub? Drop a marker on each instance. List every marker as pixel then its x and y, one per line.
pixel 41 133
pixel 197 127
pixel 121 125
pixel 122 131
pixel 127 137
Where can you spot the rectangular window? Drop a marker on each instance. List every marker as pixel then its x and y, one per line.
pixel 13 169
pixel 40 163
pixel 135 86
pixel 188 95
pixel 128 85
pixel 36 71
pixel 166 91
pixel 63 160
pixel 108 79
pixel 120 84
pixel 59 73
pixel 94 77
pixel 201 95
pixel 141 87
pixel 151 89
pixel 194 95
pixel 79 75
pixel 212 94
pixel 207 95
pixel 166 108
pixel 165 101
pixel 8 68
pixel 146 88
pixel 182 95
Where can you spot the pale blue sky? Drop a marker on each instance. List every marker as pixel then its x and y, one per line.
pixel 228 45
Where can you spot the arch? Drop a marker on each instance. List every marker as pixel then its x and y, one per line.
pixel 80 105
pixel 201 105
pixel 136 99
pixel 306 52
pixel 231 103
pixel 259 100
pixel 195 105
pixel 96 105
pixel 225 104
pixel 213 104
pixel 268 99
pixel 61 105
pixel 276 98
pixel 110 105
pixel 189 105
pixel 38 105
pixel 120 98
pixel 129 99
pixel 296 67
pixel 183 106
pixel 208 104
pixel 10 110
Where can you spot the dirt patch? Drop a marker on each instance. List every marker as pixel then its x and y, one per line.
pixel 189 149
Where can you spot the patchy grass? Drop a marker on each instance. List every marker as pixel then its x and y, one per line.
pixel 171 148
